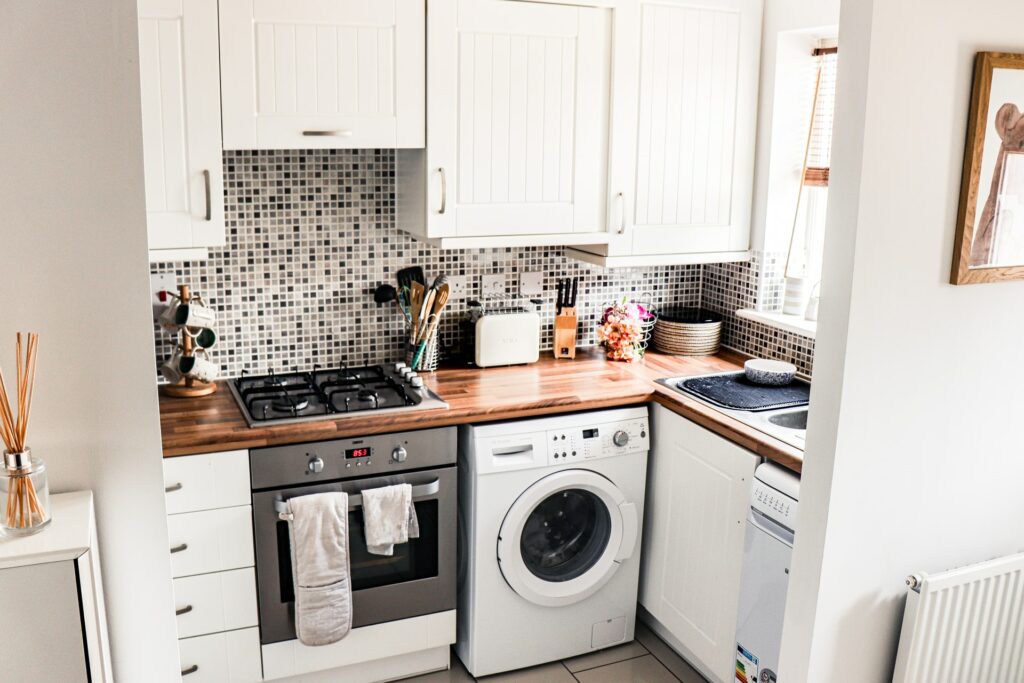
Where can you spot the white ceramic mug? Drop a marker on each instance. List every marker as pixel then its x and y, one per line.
pixel 170 369
pixel 198 366
pixel 195 314
pixel 166 319
pixel 204 338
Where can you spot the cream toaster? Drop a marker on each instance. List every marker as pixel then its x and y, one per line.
pixel 507 339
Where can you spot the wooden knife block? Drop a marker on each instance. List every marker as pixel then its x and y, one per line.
pixel 565 334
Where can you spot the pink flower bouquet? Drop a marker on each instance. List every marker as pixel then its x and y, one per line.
pixel 623 330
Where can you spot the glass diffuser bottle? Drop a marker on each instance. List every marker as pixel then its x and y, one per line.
pixel 24 494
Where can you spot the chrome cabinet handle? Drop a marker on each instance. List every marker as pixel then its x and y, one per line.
pixel 191 670
pixel 179 548
pixel 183 610
pixel 622 213
pixel 173 487
pixel 327 133
pixel 209 206
pixel 444 191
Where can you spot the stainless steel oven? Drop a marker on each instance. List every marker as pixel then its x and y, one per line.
pixel 418 579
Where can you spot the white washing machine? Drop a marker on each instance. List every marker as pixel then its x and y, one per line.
pixel 551 512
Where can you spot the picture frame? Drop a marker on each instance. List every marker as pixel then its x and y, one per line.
pixel 989 244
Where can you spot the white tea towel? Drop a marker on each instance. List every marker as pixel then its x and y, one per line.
pixel 389 517
pixel 320 567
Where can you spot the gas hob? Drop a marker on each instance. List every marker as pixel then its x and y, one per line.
pixel 320 394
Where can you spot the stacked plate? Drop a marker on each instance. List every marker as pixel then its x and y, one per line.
pixel 684 331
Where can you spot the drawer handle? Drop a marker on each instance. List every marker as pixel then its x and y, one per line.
pixel 191 670
pixel 179 548
pixel 173 487
pixel 184 610
pixel 327 133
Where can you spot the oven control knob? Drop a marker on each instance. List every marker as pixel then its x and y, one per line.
pixel 620 438
pixel 315 465
pixel 399 454
pixel 416 382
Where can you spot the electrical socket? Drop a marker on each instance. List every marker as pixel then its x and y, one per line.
pixel 160 282
pixel 531 284
pixel 492 284
pixel 457 286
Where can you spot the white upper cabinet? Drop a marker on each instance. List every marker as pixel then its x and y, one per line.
pixel 683 131
pixel 322 73
pixel 181 126
pixel 517 126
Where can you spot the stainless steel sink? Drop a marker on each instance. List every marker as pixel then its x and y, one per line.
pixel 788 425
pixel 796 419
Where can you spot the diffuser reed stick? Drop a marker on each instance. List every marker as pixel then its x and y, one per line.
pixel 23 506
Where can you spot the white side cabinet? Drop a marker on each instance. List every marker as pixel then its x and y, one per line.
pixel 51 599
pixel 209 526
pixel 181 126
pixel 322 73
pixel 697 498
pixel 517 126
pixel 683 125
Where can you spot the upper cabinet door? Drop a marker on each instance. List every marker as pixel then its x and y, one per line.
pixel 181 123
pixel 684 125
pixel 517 118
pixel 322 73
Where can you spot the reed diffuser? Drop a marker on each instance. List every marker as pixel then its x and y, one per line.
pixel 24 492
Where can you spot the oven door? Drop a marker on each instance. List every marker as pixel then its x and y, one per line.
pixel 418 579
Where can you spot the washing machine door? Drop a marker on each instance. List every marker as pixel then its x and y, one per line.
pixel 565 537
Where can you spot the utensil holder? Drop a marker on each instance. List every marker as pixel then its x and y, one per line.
pixel 24 494
pixel 427 359
pixel 565 334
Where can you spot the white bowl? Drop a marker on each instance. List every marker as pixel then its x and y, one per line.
pixel 774 373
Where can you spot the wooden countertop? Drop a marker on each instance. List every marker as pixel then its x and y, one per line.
pixel 215 423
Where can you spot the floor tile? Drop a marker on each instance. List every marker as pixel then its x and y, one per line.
pixel 607 656
pixel 644 669
pixel 666 655
pixel 456 674
pixel 546 673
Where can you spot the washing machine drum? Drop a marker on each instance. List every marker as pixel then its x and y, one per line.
pixel 565 537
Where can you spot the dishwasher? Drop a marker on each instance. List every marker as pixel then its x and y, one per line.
pixel 767 550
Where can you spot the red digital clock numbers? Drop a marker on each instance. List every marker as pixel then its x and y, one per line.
pixel 358 453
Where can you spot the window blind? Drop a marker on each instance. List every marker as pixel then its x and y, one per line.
pixel 819 153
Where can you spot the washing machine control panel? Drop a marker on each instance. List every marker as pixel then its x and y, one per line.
pixel 574 444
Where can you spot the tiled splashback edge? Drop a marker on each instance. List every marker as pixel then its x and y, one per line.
pixel 758 284
pixel 310 234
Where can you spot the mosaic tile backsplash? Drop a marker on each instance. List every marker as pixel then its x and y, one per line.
pixel 310 234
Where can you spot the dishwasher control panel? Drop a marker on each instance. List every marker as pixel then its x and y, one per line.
pixel 774 504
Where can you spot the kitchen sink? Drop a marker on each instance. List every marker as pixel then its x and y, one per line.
pixel 796 419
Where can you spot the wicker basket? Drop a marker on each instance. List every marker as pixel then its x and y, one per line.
pixel 681 331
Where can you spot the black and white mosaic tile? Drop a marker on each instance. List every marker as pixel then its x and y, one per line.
pixel 310 234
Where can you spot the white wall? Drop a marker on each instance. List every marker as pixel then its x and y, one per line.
pixel 73 266
pixel 780 16
pixel 914 448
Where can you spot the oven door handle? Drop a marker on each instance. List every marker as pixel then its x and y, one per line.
pixel 419 491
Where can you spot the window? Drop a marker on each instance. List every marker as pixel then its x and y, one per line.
pixel 808 237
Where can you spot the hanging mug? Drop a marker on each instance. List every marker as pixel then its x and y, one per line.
pixel 167 318
pixel 195 314
pixel 170 369
pixel 198 366
pixel 204 338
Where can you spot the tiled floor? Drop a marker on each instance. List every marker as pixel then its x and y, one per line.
pixel 645 660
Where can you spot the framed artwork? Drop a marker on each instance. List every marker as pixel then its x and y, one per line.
pixel 990 226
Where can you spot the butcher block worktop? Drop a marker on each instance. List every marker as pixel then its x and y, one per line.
pixel 214 423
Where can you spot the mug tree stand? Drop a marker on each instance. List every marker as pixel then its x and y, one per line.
pixel 188 387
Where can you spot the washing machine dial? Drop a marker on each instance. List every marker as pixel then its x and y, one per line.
pixel 620 438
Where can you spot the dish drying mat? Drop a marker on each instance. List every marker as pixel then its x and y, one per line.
pixel 735 391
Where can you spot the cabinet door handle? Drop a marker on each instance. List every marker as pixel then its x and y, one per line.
pixel 183 610
pixel 173 487
pixel 622 213
pixel 179 548
pixel 327 133
pixel 191 670
pixel 206 185
pixel 444 191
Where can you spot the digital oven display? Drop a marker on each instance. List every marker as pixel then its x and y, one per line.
pixel 351 453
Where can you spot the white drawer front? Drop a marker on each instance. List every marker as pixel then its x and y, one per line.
pixel 210 541
pixel 232 657
pixel 206 482
pixel 210 603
